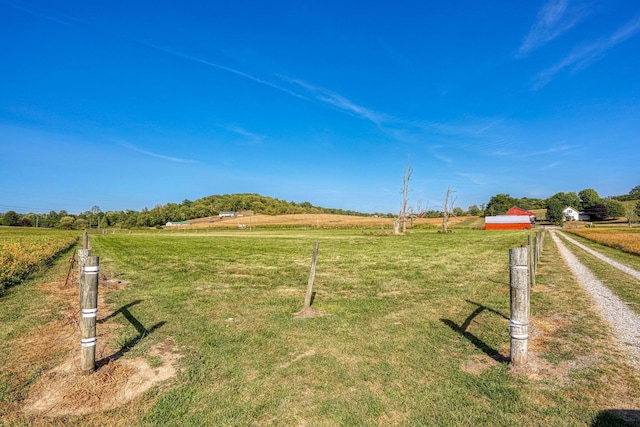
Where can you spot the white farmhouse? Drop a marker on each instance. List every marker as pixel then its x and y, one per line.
pixel 570 214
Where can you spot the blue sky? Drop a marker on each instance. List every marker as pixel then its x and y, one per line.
pixel 127 105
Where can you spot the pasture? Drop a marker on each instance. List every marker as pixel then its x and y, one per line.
pixel 413 330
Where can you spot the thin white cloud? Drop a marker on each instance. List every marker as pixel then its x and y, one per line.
pixel 253 137
pixel 317 94
pixel 41 13
pixel 474 178
pixel 555 18
pixel 341 103
pixel 553 165
pixel 221 67
pixel 152 154
pixel 435 152
pixel 585 55
pixel 550 150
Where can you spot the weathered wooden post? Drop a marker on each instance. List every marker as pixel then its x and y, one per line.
pixel 85 240
pixel 83 254
pixel 519 321
pixel 530 262
pixel 89 311
pixel 534 253
pixel 312 277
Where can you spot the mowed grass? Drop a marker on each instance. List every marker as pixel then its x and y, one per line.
pixel 414 331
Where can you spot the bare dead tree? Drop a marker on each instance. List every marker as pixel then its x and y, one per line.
pixel 408 170
pixel 420 210
pixel 447 209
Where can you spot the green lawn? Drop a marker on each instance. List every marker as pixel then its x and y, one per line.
pixel 414 332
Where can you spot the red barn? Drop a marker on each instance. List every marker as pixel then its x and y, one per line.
pixel 517 211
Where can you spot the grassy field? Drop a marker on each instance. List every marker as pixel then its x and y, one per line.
pixel 413 330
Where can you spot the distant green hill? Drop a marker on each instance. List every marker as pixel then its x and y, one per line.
pixel 213 205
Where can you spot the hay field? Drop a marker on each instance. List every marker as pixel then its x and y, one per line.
pixel 318 221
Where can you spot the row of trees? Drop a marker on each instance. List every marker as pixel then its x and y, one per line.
pixel 161 214
pixel 587 200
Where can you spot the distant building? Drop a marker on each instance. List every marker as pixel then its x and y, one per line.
pixel 518 211
pixel 570 214
pixel 507 222
pixel 177 223
pixel 226 214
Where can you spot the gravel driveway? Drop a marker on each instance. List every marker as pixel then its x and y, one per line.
pixel 630 271
pixel 624 322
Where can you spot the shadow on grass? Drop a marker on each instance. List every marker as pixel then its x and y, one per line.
pixel 617 417
pixel 131 343
pixel 462 330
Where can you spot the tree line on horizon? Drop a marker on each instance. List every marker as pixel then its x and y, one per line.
pixel 171 212
pixel 587 200
pixel 212 205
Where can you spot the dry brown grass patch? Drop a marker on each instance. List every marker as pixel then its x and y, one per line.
pixel 310 221
pixel 65 389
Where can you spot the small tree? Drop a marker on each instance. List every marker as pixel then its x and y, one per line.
pixel 630 213
pixel 66 222
pixel 500 204
pixel 474 210
pixel 10 218
pixel 554 211
pixel 80 223
pixel 598 212
pixel 615 208
pixel 588 198
pixel 567 199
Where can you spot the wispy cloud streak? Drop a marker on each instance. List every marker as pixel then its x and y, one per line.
pixel 152 154
pixel 254 137
pixel 73 22
pixel 585 55
pixel 341 103
pixel 554 19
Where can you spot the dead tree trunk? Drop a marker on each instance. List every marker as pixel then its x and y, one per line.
pixel 396 226
pixel 408 170
pixel 447 210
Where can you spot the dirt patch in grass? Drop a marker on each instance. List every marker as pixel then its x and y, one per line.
pixel 65 389
pixel 479 363
pixel 308 313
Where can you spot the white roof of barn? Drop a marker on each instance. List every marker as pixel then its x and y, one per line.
pixel 507 219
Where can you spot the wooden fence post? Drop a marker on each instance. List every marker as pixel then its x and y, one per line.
pixel 85 240
pixel 312 277
pixel 531 262
pixel 83 254
pixel 535 253
pixel 519 321
pixel 89 311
